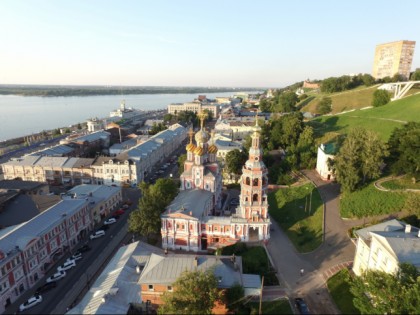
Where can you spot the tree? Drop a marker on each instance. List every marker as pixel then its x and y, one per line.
pixel 368 80
pixel 324 106
pixel 234 161
pixel 181 160
pixel 79 126
pixel 155 198
pixel 233 297
pixel 306 148
pixel 378 292
pixel 405 150
pixel 156 128
pixel 167 117
pixel 287 101
pixel 359 159
pixel 415 76
pixel 265 105
pixel 380 98
pixel 194 292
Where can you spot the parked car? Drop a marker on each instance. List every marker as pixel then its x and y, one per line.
pixel 57 276
pixel 67 265
pixel 83 249
pixel 97 234
pixel 32 301
pixel 46 287
pixel 110 221
pixel 76 256
pixel 301 306
pixel 119 212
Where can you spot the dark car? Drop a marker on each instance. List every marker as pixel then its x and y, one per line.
pixel 301 306
pixel 104 227
pixel 83 249
pixel 46 287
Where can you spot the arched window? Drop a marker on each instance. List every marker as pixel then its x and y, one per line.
pixel 255 197
pixel 255 182
pixel 247 181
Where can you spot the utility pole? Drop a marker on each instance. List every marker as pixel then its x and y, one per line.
pixel 262 286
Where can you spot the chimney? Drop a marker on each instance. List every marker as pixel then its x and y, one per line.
pixel 408 228
pixel 195 261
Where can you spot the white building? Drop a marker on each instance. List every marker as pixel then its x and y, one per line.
pixel 385 245
pixel 325 152
pixel 196 107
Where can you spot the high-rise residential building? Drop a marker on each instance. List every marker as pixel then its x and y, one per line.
pixel 393 58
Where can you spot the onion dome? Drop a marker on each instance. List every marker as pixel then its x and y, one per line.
pixel 213 149
pixel 190 147
pixel 202 136
pixel 199 151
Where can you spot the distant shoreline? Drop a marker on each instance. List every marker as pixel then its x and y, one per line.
pixel 53 91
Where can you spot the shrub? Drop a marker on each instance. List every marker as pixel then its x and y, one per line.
pixel 380 98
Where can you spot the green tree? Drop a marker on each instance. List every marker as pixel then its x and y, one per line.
pixel 306 149
pixel 405 150
pixel 380 98
pixel 145 220
pixel 79 126
pixel 368 80
pixel 324 106
pixel 415 76
pixel 359 159
pixel 167 118
pixel 378 292
pixel 234 296
pixel 194 292
pixel 234 161
pixel 287 101
pixel 156 128
pixel 265 105
pixel 181 160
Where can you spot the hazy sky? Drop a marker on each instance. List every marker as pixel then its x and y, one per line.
pixel 243 43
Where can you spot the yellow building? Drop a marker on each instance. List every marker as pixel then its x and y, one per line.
pixel 393 58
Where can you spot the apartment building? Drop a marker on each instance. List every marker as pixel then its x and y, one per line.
pixel 196 107
pixel 28 250
pixel 393 58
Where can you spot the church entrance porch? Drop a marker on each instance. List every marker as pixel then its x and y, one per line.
pixel 253 234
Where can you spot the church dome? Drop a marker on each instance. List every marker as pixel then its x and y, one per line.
pixel 213 149
pixel 202 136
pixel 190 147
pixel 199 151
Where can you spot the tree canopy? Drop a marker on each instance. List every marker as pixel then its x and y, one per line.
pixel 359 159
pixel 194 292
pixel 145 220
pixel 234 161
pixel 378 292
pixel 380 98
pixel 324 106
pixel 404 149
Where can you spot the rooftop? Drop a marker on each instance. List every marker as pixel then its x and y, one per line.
pixel 191 202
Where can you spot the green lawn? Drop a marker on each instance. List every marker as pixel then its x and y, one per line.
pixel 299 211
pixel 254 261
pixel 401 183
pixel 370 201
pixel 340 292
pixel 272 307
pixel 378 119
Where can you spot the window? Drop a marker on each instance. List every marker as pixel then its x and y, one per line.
pixel 53 244
pixel 151 288
pixel 170 288
pixel 18 274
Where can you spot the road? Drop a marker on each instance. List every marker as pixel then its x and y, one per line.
pixel 337 251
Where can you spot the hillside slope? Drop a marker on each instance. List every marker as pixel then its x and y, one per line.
pixel 382 119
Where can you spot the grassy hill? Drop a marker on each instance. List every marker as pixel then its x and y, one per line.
pixel 382 119
pixel 358 98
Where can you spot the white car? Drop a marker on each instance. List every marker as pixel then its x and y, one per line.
pixel 32 301
pixel 76 256
pixel 97 234
pixel 57 276
pixel 110 221
pixel 67 265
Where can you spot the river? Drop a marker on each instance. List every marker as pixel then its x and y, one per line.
pixel 25 115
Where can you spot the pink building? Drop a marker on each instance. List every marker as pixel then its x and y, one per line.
pixel 28 250
pixel 189 222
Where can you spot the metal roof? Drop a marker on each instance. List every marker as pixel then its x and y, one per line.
pixel 191 202
pixel 391 225
pixel 38 225
pixel 163 269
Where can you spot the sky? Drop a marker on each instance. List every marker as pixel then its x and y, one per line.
pixel 225 43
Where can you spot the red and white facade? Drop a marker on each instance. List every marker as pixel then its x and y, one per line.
pixel 189 222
